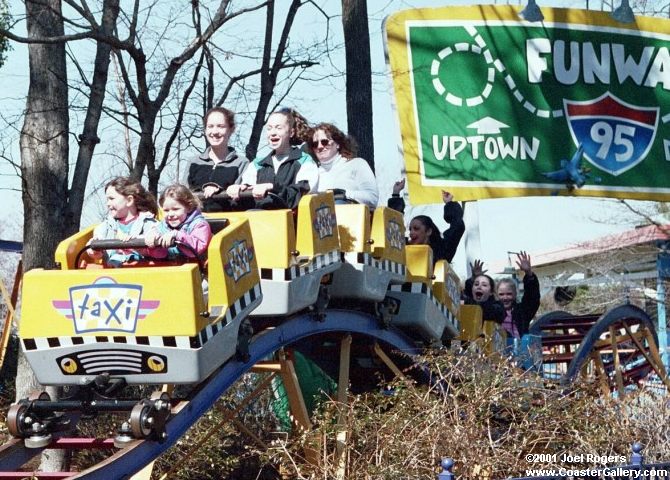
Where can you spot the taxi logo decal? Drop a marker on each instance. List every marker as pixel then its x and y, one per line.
pixel 239 257
pixel 394 235
pixel 105 305
pixel 324 222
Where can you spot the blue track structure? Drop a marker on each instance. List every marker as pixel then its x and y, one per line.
pixel 11 246
pixel 628 314
pixel 619 346
pixel 127 461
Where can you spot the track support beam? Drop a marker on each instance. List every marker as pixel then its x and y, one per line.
pixel 342 395
pixel 617 363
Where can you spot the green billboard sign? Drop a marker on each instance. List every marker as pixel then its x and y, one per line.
pixel 491 105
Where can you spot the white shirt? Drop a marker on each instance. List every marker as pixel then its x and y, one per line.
pixel 354 176
pixel 308 171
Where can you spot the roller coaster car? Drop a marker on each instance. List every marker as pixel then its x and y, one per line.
pixel 146 325
pixel 475 330
pixel 428 303
pixel 292 262
pixel 374 255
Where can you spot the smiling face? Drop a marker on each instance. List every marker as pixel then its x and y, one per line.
pixel 419 234
pixel 278 131
pixel 481 289
pixel 325 148
pixel 217 129
pixel 175 212
pixel 506 294
pixel 121 207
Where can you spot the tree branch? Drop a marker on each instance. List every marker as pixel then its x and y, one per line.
pixel 182 109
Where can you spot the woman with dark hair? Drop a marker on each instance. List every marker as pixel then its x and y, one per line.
pixel 479 290
pixel 339 168
pixel 515 316
pixel 219 166
pixel 423 231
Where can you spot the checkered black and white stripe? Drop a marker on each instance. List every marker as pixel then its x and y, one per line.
pixel 231 314
pixel 287 274
pixel 418 287
pixel 385 264
pixel 197 341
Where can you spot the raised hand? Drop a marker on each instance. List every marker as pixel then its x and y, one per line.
pixel 398 186
pixel 523 262
pixel 447 196
pixel 477 268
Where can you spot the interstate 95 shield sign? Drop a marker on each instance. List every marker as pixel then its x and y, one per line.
pixel 491 105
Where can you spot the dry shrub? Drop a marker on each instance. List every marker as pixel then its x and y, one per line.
pixel 491 416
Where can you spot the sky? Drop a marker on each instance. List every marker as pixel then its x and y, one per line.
pixel 534 224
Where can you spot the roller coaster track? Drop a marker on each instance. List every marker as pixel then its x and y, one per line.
pixel 125 462
pixel 618 348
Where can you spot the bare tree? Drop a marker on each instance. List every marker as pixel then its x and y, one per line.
pixel 4 23
pixel 44 153
pixel 359 76
pixel 70 200
pixel 270 70
pixel 139 86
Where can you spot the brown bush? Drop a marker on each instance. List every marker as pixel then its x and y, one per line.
pixel 490 418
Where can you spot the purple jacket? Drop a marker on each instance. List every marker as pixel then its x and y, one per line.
pixel 194 232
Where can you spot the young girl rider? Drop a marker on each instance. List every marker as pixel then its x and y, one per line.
pixel 132 211
pixel 182 222
pixel 518 315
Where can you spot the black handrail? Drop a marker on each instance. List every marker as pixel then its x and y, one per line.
pixel 133 243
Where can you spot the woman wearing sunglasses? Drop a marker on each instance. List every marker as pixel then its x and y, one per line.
pixel 339 168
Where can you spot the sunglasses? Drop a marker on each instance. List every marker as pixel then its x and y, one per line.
pixel 324 143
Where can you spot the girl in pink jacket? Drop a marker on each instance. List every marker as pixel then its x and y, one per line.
pixel 182 222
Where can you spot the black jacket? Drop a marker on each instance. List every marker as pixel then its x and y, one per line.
pixel 523 312
pixel 445 249
pixel 201 171
pixel 285 186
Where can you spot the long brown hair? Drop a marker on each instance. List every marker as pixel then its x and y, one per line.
pixel 299 125
pixel 144 200
pixel 348 146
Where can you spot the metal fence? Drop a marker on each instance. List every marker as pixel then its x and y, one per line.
pixel 637 470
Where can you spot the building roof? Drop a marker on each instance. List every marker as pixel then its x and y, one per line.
pixel 631 254
pixel 646 235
